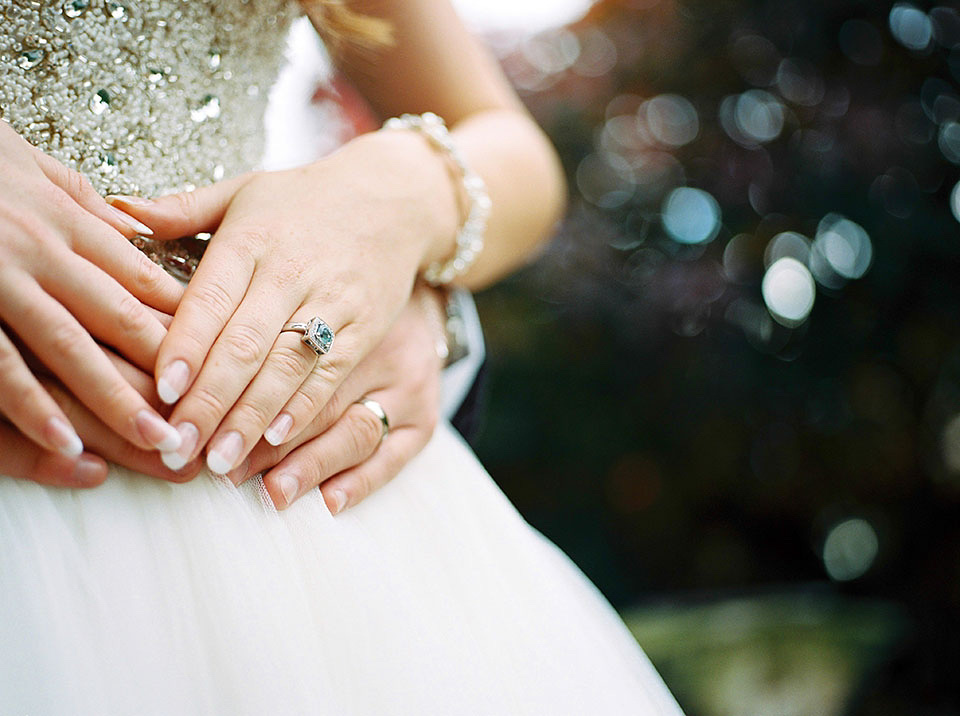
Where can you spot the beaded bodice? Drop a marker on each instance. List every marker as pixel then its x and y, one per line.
pixel 142 97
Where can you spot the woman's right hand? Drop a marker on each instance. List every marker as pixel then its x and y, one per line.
pixel 70 277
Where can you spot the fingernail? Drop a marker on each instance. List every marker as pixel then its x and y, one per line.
pixel 226 452
pixel 63 437
pixel 158 432
pixel 289 486
pixel 339 500
pixel 88 469
pixel 278 429
pixel 173 381
pixel 127 199
pixel 137 226
pixel 188 437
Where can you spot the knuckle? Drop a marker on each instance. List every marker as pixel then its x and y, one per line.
pixel 186 204
pixel 245 344
pixel 214 298
pixel 130 315
pixel 313 467
pixel 365 432
pixel 148 278
pixel 316 398
pixel 250 417
pixel 207 404
pixel 248 242
pixel 288 273
pixel 69 342
pixel 75 184
pixel 291 363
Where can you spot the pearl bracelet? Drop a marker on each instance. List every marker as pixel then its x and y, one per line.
pixel 470 235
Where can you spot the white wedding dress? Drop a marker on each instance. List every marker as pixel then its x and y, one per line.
pixel 143 597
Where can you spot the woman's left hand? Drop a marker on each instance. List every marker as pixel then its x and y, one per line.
pixel 341 239
pixel 344 450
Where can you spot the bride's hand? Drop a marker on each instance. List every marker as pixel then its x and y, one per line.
pixel 69 276
pixel 341 239
pixel 344 450
pixel 24 459
pixel 341 449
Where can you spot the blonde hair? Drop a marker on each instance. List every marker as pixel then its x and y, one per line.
pixel 340 26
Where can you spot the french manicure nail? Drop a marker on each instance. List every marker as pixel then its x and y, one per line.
pixel 157 431
pixel 88 469
pixel 63 437
pixel 278 429
pixel 113 199
pixel 137 226
pixel 188 436
pixel 173 381
pixel 289 486
pixel 339 500
pixel 222 456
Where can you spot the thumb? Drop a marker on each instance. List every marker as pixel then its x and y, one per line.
pixel 184 214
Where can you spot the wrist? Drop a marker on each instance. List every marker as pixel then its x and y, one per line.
pixel 406 174
pixel 471 192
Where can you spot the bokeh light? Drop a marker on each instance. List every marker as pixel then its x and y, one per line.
pixel 911 26
pixel 787 244
pixel 691 216
pixel 955 201
pixel 606 181
pixel 672 119
pixel 844 246
pixel 789 291
pixel 850 548
pixel 754 117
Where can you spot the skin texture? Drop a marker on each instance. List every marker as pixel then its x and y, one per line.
pixel 339 450
pixel 69 278
pixel 378 212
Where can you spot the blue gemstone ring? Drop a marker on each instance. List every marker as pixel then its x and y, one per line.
pixel 316 334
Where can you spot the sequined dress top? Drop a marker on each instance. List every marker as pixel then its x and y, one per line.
pixel 143 98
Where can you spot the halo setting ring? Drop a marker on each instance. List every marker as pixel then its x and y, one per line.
pixel 315 333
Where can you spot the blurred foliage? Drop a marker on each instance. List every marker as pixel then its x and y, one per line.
pixel 656 408
pixel 784 654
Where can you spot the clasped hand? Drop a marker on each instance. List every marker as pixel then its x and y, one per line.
pixel 328 240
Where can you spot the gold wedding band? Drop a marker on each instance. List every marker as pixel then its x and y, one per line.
pixel 374 407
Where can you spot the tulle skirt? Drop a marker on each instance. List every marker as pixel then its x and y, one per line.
pixel 431 597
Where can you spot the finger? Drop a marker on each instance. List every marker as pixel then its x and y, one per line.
pixel 182 214
pixel 124 262
pixel 349 442
pixel 351 486
pixel 231 364
pixel 70 353
pixel 99 243
pixel 210 300
pixel 25 403
pixel 285 368
pixel 311 397
pixel 24 459
pixel 78 188
pixel 110 312
pixel 104 442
